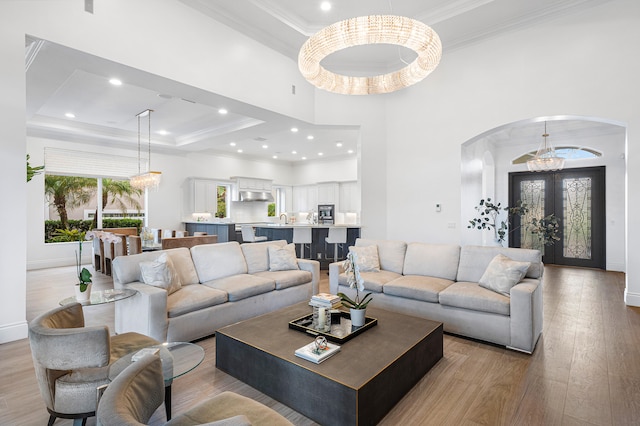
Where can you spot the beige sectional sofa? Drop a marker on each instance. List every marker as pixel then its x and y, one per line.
pixel 440 282
pixel 220 284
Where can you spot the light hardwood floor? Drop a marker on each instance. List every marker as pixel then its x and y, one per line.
pixel 584 371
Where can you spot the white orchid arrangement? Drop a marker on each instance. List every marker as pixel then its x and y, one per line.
pixel 83 274
pixel 351 268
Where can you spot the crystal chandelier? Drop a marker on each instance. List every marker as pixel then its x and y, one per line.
pixel 150 179
pixel 545 159
pixel 363 30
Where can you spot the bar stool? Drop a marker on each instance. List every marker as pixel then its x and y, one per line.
pixel 337 237
pixel 302 236
pixel 249 236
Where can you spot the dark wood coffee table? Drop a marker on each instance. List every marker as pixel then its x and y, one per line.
pixel 357 386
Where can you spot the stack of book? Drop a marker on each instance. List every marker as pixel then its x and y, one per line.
pixel 325 300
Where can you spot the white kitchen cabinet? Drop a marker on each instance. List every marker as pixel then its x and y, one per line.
pixel 253 184
pixel 204 196
pixel 329 193
pixel 349 197
pixel 305 198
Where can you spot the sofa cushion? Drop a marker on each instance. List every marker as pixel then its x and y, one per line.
pixel 432 260
pixel 256 255
pixel 214 261
pixel 161 273
pixel 241 286
pixel 282 258
pixel 193 298
pixel 471 296
pixel 373 281
pixel 503 273
pixel 390 253
pixel 475 259
pixel 417 287
pixel 286 279
pixel 126 269
pixel 366 258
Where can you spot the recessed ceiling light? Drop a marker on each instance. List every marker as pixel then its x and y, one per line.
pixel 310 137
pixel 339 144
pixel 70 115
pixel 304 158
pixel 275 156
pixel 265 146
pixel 115 82
pixel 320 154
pixel 326 6
pixel 294 129
pixel 240 151
pixel 294 152
pixel 163 132
pixel 350 151
pixel 232 143
pixel 222 111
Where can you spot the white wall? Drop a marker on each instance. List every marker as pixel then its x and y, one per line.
pixel 341 170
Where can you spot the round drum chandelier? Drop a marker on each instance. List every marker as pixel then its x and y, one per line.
pixel 363 30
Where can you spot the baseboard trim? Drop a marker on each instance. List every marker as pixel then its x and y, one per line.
pixel 631 299
pixel 15 331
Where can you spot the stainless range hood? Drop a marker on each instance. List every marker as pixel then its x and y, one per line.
pixel 255 196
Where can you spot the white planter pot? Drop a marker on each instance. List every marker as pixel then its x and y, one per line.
pixel 357 317
pixel 83 296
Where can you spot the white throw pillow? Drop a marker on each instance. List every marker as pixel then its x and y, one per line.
pixel 282 258
pixel 503 273
pixel 368 260
pixel 161 273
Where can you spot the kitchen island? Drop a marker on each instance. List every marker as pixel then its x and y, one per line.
pixel 319 250
pixel 224 230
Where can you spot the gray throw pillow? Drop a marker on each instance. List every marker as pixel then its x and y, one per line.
pixel 282 258
pixel 367 258
pixel 503 273
pixel 161 273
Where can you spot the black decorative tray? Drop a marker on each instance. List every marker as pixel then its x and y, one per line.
pixel 341 331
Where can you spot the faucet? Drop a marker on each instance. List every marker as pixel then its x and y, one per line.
pixel 286 218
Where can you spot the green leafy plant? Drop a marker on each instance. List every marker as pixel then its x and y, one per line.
pixel 350 265
pixel 546 229
pixel 32 171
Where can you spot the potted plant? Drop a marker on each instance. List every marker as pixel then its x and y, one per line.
pixel 83 286
pixel 358 306
pixel 546 229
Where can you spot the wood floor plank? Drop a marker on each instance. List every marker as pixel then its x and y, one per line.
pixel 585 370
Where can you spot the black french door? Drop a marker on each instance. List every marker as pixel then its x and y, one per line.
pixel 577 198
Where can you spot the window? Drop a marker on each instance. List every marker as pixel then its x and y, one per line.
pixel 222 199
pixel 567 152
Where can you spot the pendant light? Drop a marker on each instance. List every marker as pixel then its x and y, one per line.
pixel 545 159
pixel 150 179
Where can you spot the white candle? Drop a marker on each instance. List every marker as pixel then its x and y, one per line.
pixel 321 317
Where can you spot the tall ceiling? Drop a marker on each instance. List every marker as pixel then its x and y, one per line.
pixel 61 80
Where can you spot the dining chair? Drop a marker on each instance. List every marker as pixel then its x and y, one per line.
pixel 167 233
pixel 181 234
pixel 113 250
pixel 72 360
pixel 134 243
pixel 302 236
pixel 249 235
pixel 137 392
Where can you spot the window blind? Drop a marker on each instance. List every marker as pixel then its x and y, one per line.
pixel 89 164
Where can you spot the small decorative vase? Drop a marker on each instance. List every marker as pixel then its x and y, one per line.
pixel 83 296
pixel 357 317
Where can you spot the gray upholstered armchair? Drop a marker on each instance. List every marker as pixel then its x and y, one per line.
pixel 72 360
pixel 137 392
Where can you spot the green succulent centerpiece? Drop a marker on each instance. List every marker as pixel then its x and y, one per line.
pixel 352 270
